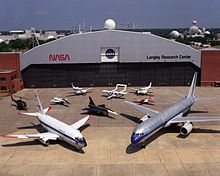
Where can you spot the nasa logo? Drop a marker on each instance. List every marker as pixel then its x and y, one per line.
pixel 110 53
pixel 59 57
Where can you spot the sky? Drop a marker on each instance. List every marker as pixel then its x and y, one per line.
pixel 65 14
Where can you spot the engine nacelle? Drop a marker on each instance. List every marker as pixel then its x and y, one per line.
pixel 45 141
pixel 186 129
pixel 143 119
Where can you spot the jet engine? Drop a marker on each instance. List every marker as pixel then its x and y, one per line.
pixel 186 128
pixel 143 119
pixel 45 141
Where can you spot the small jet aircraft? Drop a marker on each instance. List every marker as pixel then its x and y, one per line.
pixel 56 129
pixel 20 104
pixel 114 93
pixel 153 121
pixel 79 90
pixel 98 109
pixel 149 100
pixel 58 100
pixel 143 90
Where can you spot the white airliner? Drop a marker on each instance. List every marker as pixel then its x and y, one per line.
pixel 114 93
pixel 153 121
pixel 143 90
pixel 56 129
pixel 79 90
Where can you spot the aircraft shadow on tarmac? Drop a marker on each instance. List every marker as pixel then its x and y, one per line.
pixel 36 142
pixel 175 128
pixel 100 115
pixel 122 98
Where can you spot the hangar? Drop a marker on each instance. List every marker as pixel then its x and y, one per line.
pixel 107 57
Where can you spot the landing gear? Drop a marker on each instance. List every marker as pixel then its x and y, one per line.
pixel 143 145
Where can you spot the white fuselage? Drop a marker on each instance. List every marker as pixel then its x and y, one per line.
pixel 143 91
pixel 64 131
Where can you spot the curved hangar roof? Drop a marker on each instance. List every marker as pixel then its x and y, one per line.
pixel 111 46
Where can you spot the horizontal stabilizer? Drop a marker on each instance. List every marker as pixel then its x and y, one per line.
pixel 180 95
pixel 28 114
pixel 47 110
pixel 143 109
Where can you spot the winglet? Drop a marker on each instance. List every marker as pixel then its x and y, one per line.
pixel 192 87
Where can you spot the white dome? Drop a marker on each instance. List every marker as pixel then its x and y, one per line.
pixel 110 24
pixel 174 34
pixel 50 37
pixel 199 31
pixel 194 22
pixel 207 32
pixel 193 30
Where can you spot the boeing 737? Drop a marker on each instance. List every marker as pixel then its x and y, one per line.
pixel 153 121
pixel 56 129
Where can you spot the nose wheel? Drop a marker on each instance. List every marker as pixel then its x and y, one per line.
pixel 143 145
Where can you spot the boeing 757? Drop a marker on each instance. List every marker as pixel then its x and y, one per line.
pixel 153 121
pixel 56 129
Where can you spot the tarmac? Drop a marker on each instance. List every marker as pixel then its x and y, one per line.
pixel 109 151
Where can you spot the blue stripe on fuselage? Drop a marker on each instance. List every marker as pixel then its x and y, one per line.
pixel 57 131
pixel 137 139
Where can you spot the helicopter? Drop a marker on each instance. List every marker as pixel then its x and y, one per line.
pixel 20 104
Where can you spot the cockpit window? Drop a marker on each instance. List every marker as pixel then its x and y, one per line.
pixel 138 134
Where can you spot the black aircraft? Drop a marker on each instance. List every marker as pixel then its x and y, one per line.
pixel 98 109
pixel 20 104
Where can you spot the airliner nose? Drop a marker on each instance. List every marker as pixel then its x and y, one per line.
pixel 84 142
pixel 134 139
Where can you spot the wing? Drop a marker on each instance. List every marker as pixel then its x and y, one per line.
pixel 123 93
pixel 194 119
pixel 34 114
pixel 88 89
pixel 133 88
pixel 111 96
pixel 81 122
pixel 107 91
pixel 47 135
pixel 143 109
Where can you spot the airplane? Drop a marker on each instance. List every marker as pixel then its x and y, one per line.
pixel 114 93
pixel 153 121
pixel 98 109
pixel 143 90
pixel 58 100
pixel 56 129
pixel 147 100
pixel 20 104
pixel 79 90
